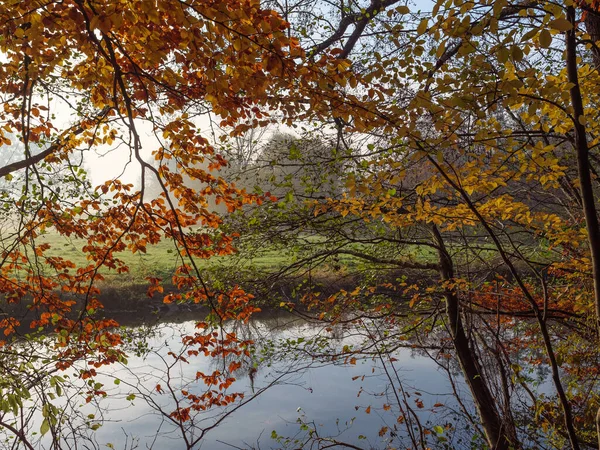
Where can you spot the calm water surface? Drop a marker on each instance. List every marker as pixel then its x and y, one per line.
pixel 296 394
pixel 287 390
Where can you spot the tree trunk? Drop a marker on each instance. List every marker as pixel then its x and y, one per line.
pixel 484 401
pixel 592 26
pixel 582 150
pixel 583 161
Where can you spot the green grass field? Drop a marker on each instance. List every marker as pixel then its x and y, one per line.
pixel 161 260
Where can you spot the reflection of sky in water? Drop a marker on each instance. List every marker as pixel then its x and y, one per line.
pixel 324 394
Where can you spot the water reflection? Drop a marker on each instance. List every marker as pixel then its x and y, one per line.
pixel 298 392
pixel 303 386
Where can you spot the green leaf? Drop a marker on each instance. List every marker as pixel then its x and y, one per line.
pixel 438 429
pixel 45 427
pixel 295 152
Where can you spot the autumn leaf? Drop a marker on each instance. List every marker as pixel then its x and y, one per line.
pixel 545 38
pixel 560 24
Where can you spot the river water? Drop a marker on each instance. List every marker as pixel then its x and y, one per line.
pixel 295 396
pixel 305 385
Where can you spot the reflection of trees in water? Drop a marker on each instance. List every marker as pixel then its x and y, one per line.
pixel 516 394
pixel 378 340
pixel 404 406
pixel 274 338
pixel 284 347
pixel 41 406
pixel 167 381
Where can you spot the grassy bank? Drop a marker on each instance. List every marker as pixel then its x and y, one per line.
pixel 162 259
pixel 159 260
pixel 259 270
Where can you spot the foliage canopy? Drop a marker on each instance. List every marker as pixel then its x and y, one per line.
pixel 459 146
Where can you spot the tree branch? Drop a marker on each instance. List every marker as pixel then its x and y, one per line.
pixel 453 50
pixel 34 159
pixel 392 262
pixel 360 20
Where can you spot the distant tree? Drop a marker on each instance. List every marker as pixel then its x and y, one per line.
pixel 303 167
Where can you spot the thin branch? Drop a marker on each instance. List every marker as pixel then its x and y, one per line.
pixel 34 159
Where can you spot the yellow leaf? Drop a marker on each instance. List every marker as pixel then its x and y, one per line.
pixel 561 24
pixel 422 28
pixel 441 49
pixel 545 39
pixel 529 35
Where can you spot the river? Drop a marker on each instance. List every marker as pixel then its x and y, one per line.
pixel 303 384
pixel 295 393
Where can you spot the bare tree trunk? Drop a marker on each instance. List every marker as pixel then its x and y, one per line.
pixel 598 426
pixel 592 23
pixel 583 161
pixel 592 26
pixel 484 401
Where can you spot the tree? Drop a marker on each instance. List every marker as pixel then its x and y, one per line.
pixel 482 149
pixel 466 137
pixel 82 76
